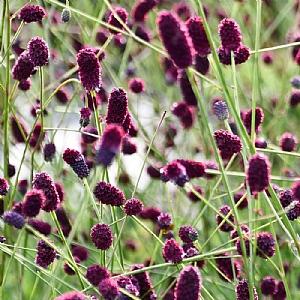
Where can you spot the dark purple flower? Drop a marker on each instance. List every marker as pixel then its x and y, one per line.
pixel 221 110
pixel 295 82
pixel 33 202
pixel 242 291
pixel 108 194
pixel 186 88
pixel 38 51
pixel 265 245
pixel 63 95
pixel 109 289
pixel 230 34
pixel 95 274
pixel 14 219
pixel 288 142
pixel 24 85
pixel 286 197
pixel 175 38
pixel 81 252
pixel 210 165
pixel 261 143
pixel 234 233
pixel 237 197
pixel 224 211
pixel 11 171
pixel 150 213
pixel 49 151
pixel 172 252
pixel 133 207
pixel 225 264
pixel 85 116
pixel 143 33
pixel 296 190
pixel 40 226
pixel 247 119
pixel 128 146
pixel 194 197
pixel 60 191
pixel 101 236
pixel 101 36
pixel 89 69
pixel 293 210
pixel 239 246
pixel 183 11
pixel 164 221
pixel 76 160
pixel 258 172
pixel 45 254
pixel 198 35
pixel 117 106
pixel 122 14
pixel 294 98
pixel 175 172
pixel 22 186
pixel 68 269
pixel 194 169
pixel 4 187
pixel 189 284
pixel 268 286
pixel 89 139
pixel 143 282
pixel 31 13
pixel 45 183
pixel 281 293
pixel 23 67
pixel 201 64
pixel 188 234
pixel 137 85
pixel 153 171
pixel 71 296
pixel 240 55
pixel 267 58
pixel 141 9
pixel 63 221
pixel 185 113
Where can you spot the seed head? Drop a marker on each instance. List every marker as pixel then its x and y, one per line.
pixel 14 219
pixel 38 51
pixel 101 236
pixel 141 9
pixel 122 14
pixel 23 67
pixel 66 15
pixel 108 194
pixel 32 13
pixel 175 38
pixel 133 207
pixel 172 252
pixel 95 274
pixel 45 254
pixel 221 110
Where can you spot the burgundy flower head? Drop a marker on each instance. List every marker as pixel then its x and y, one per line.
pixel 239 246
pixel 293 211
pixel 237 197
pixel 42 227
pixel 14 219
pixel 4 187
pixel 185 113
pixel 76 160
pixel 150 213
pixel 258 172
pixel 18 129
pixel 24 85
pixel 68 269
pixel 71 296
pixel 194 169
pixel 261 143
pixel 128 146
pixel 183 11
pixel 88 139
pixel 133 207
pixel 194 197
pixel 189 284
pixel 89 69
pixel 240 55
pixel 186 88
pixel 23 67
pixel 109 289
pixel 175 38
pixel 188 234
pixel 198 36
pixel 63 221
pixel 101 236
pixel 201 64
pixel 265 245
pixel 225 264
pixel 286 197
pixel 288 142
pixel 49 151
pixel 230 34
pixel 32 13
pixel 268 286
pixel 81 252
pixel 224 211
pixel 234 233
pixel 221 110
pixel 141 9
pixel 280 293
pixel 85 116
pixel 108 194
pixel 259 117
pixel 117 106
pixel 175 172
pixel 137 85
pixel 63 95
pixel 294 98
pixel 242 291
pixel 122 14
pixel 172 252
pixel 95 274
pixel 164 221
pixel 38 51
pixel 33 202
pixel 45 254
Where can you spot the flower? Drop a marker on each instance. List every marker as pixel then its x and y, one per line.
pixel 108 194
pixel 38 51
pixel 198 35
pixel 240 55
pixel 42 227
pixel 268 286
pixel 33 202
pixel 122 14
pixel 85 116
pixel 23 67
pixel 234 233
pixel 221 110
pixel 150 213
pixel 175 172
pixel 101 236
pixel 194 197
pixel 164 221
pixel 224 211
pixel 172 252
pixel 201 64
pixel 49 151
pixel 24 85
pixel 185 113
pixel 186 88
pixel 81 252
pixel 63 95
pixel 66 15
pixel 242 291
pixel 76 160
pixel 60 191
pixel 141 9
pixel 68 269
pixel 281 293
pixel 293 210
pixel 95 274
pixel 128 146
pixel 45 254
pixel 247 119
pixel 237 197
pixel 286 197
pixel 265 245
pixel 288 142
pixel 31 13
pixel 14 219
pixel 63 221
pixel 89 69
pixel 261 143
pixel 117 108
pixel 189 284
pixel 109 289
pixel 133 207
pixel 137 85
pixel 258 172
pixel 188 234
pixel 71 296
pixel 230 34
pixel 294 98
pixel 225 265
pixel 4 187
pixel 239 246
pixel 175 38
pixel 88 139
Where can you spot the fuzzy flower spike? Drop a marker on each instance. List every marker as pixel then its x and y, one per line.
pixel 38 51
pixel 32 13
pixel 89 69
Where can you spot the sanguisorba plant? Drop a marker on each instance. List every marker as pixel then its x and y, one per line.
pixel 149 150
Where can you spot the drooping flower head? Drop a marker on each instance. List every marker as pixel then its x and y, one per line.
pixel 101 236
pixel 175 38
pixel 122 14
pixel 141 9
pixel 38 51
pixel 108 194
pixel 32 13
pixel 89 69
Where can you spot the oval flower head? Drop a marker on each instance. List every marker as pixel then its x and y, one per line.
pixel 89 69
